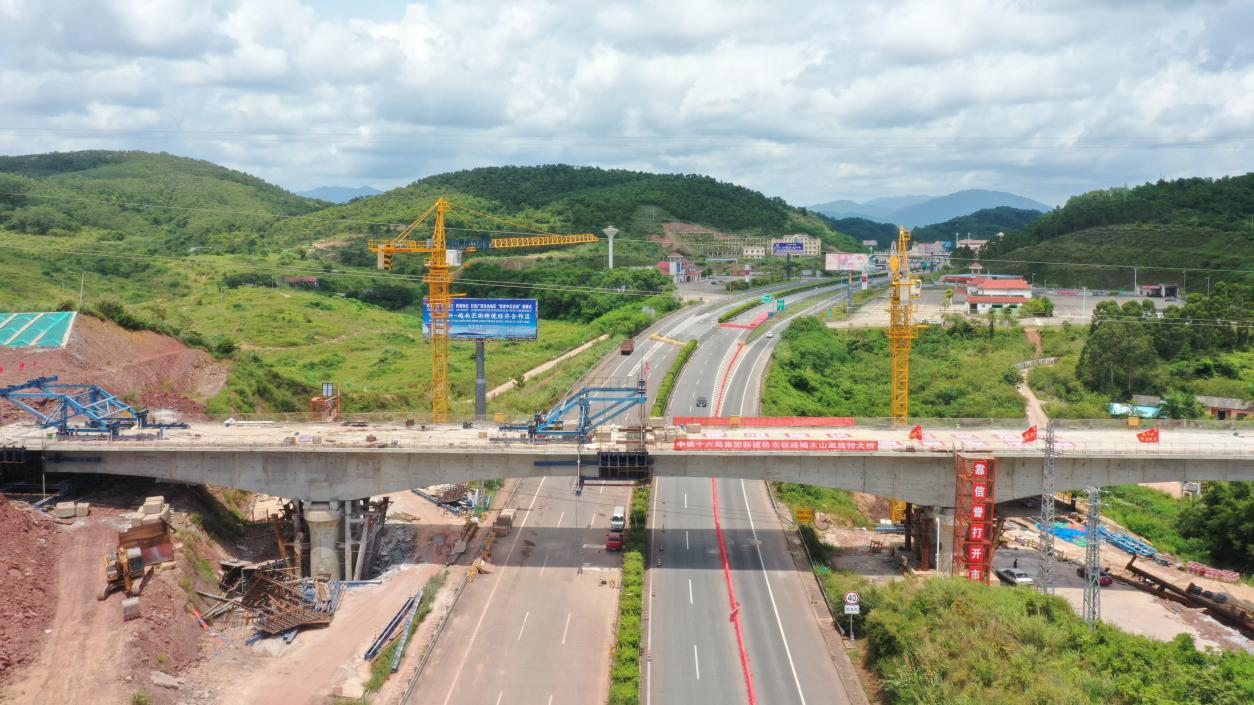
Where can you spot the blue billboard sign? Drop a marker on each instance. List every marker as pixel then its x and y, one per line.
pixel 781 248
pixel 498 319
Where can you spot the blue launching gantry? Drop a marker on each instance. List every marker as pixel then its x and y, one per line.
pixel 611 402
pixel 101 412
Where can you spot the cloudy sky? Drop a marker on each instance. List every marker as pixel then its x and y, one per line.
pixel 810 101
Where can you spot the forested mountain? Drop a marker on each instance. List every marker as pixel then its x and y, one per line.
pixel 877 209
pixel 959 204
pixel 918 211
pixel 863 229
pixel 162 201
pixel 1204 225
pixel 980 225
pixel 339 194
pixel 562 198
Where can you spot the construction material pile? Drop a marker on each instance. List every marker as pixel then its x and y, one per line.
pixel 276 598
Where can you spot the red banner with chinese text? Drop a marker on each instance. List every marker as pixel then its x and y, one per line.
pixel 754 444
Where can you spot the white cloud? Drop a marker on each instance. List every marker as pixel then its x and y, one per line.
pixel 810 101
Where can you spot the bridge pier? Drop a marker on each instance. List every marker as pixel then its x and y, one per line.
pixel 944 518
pixel 323 520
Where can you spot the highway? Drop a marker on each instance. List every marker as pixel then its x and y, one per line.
pixel 536 627
pixel 695 652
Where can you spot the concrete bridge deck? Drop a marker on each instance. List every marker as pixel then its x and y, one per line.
pixel 324 462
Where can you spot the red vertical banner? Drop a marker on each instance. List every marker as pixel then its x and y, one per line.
pixel 975 481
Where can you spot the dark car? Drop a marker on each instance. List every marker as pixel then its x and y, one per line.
pixel 703 402
pixel 1104 579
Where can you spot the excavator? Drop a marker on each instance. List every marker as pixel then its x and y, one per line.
pixel 125 571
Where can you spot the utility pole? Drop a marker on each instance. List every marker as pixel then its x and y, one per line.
pixel 1093 560
pixel 1134 281
pixel 82 281
pixel 1045 577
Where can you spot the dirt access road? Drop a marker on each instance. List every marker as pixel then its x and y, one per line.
pixel 82 660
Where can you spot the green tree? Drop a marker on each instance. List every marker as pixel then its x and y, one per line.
pixel 1119 359
pixel 1222 519
pixel 1040 306
pixel 1182 405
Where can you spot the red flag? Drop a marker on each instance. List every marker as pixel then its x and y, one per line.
pixel 916 433
pixel 1150 436
pixel 1029 435
pixel 21 365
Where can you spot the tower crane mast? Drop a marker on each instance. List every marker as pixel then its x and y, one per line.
pixel 901 333
pixel 439 279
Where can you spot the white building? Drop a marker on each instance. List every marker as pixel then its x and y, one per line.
pixel 754 252
pixel 810 246
pixel 988 295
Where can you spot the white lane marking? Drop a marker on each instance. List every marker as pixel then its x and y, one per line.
pixel 685 500
pixel 601 488
pixel 496 584
pixel 696 662
pixel 545 564
pixel 559 520
pixel 648 634
pixel 498 697
pixel 524 625
pixel 567 629
pixel 690 591
pixel 771 593
pixel 687 546
pixel 550 699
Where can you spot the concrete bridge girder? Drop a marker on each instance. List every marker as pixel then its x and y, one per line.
pixel 346 474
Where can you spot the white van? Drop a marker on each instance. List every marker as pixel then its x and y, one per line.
pixel 618 520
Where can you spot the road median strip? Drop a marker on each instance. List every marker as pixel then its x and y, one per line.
pixel 625 662
pixel 668 382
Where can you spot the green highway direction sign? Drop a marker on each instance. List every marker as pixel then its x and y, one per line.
pixel 767 298
pixel 779 305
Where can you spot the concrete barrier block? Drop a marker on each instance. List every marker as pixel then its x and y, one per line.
pixel 63 510
pixel 81 509
pixel 151 519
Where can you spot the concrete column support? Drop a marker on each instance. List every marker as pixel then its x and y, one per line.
pixel 945 559
pixel 323 519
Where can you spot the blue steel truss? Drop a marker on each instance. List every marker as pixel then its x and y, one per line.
pixel 611 402
pixel 99 410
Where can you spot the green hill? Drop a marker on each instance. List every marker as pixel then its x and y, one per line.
pixel 200 252
pixel 562 198
pixel 1203 225
pixel 980 225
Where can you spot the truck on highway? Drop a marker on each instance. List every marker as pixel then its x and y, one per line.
pixel 628 347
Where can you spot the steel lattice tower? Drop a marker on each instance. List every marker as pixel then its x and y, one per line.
pixel 900 332
pixel 1093 559
pixel 1045 577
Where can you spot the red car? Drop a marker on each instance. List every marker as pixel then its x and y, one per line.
pixel 1104 579
pixel 614 541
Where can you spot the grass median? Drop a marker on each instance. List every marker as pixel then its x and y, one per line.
pixel 625 665
pixel 668 382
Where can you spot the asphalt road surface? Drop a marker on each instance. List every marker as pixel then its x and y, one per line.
pixel 535 628
pixel 694 653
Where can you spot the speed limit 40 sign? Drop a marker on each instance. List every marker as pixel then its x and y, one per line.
pixel 853 603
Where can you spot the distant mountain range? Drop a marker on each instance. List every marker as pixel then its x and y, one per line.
pixel 339 194
pixel 915 211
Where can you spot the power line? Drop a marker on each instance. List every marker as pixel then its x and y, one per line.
pixel 1097 265
pixel 225 211
pixel 415 278
pixel 463 137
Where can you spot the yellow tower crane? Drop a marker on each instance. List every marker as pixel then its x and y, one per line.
pixel 439 279
pixel 900 331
